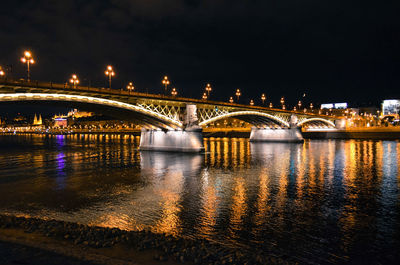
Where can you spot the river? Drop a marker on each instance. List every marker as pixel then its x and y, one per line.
pixel 322 201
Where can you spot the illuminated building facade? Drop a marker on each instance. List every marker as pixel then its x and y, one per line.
pixel 391 107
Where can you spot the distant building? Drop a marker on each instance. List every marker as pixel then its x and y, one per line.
pixel 334 106
pixel 79 114
pixel 37 121
pixel 391 107
pixel 60 122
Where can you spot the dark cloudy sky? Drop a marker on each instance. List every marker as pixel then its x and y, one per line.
pixel 332 50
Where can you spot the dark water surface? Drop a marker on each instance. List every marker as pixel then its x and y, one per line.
pixel 317 202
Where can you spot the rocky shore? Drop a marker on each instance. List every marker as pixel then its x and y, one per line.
pixel 165 247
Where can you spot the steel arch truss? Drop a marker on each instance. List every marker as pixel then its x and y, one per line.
pixel 316 121
pixel 254 117
pixel 151 114
pixel 171 112
pixel 207 114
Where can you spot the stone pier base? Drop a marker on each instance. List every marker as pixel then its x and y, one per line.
pixel 189 140
pixel 276 135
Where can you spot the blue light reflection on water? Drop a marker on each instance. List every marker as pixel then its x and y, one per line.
pixel 321 201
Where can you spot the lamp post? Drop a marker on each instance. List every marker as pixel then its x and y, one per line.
pixel 238 94
pixel 2 73
pixel 165 82
pixel 130 87
pixel 28 60
pixel 283 102
pixel 311 106
pixel 263 98
pixel 110 73
pixel 174 92
pixel 270 105
pixel 74 80
pixel 251 102
pixel 299 104
pixel 208 89
pixel 231 100
pixel 204 96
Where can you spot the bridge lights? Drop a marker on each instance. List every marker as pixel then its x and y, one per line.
pixel 204 96
pixel 208 89
pixel 251 102
pixel 74 80
pixel 130 87
pixel 238 94
pixel 1 72
pixel 174 92
pixel 165 82
pixel 283 102
pixel 28 60
pixel 110 73
pixel 263 98
pixel 231 100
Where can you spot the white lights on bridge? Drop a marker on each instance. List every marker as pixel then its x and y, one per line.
pixel 245 113
pixel 86 99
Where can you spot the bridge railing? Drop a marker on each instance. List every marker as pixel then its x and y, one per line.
pixel 119 92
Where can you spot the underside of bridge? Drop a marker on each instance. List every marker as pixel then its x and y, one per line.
pixel 316 123
pixel 258 119
pixel 120 111
pixel 109 111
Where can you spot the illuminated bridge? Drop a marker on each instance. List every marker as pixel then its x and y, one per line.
pixel 170 123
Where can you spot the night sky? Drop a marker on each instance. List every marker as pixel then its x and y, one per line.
pixel 334 51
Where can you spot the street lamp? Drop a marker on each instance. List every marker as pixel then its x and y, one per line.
pixel 2 73
pixel 270 104
pixel 204 96
pixel 130 87
pixel 208 89
pixel 299 104
pixel 174 92
pixel 74 80
pixel 110 73
pixel 28 60
pixel 263 98
pixel 165 82
pixel 231 100
pixel 283 102
pixel 238 94
pixel 252 102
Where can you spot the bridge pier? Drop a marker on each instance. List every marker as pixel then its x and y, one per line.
pixel 189 140
pixel 292 135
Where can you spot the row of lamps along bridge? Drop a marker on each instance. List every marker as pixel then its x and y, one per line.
pixel 109 72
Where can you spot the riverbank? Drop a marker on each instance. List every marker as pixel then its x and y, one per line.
pixel 354 133
pixel 99 245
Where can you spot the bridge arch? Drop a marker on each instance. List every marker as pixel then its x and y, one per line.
pixel 150 116
pixel 321 120
pixel 248 116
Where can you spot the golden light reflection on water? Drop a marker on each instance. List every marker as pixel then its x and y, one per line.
pixel 261 205
pixel 238 206
pixel 209 207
